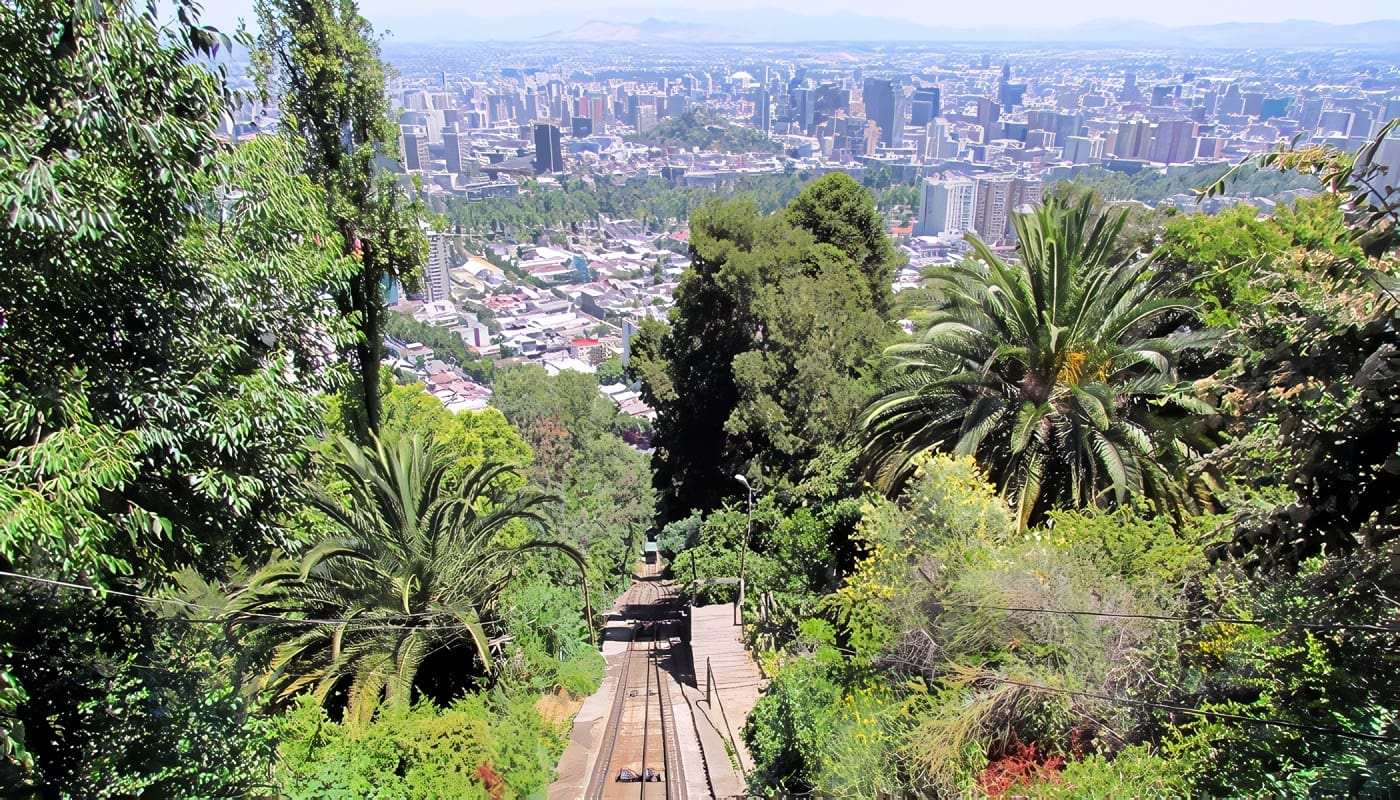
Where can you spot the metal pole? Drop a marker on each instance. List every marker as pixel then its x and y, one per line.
pixel 743 551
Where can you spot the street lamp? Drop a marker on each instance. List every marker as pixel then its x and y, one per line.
pixel 748 534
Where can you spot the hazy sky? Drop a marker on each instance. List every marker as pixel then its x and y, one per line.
pixel 421 20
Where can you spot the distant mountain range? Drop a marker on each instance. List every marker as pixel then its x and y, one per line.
pixel 776 25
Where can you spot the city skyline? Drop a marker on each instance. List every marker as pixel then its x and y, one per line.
pixel 444 20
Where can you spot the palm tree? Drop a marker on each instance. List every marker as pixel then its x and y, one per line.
pixel 413 569
pixel 1051 371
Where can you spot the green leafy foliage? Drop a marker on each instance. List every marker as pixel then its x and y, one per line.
pixel 321 59
pixel 121 702
pixel 699 127
pixel 476 748
pixel 1055 371
pixel 411 580
pixel 767 356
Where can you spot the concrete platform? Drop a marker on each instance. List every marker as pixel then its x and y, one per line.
pixel 728 685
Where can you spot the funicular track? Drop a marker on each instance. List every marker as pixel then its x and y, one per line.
pixel 640 733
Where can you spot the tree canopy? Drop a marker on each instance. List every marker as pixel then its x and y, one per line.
pixel 767 356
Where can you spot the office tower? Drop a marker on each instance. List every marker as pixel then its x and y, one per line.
pixel 1210 148
pixel 549 154
pixel 1253 104
pixel 1391 109
pixel 1173 142
pixel 946 206
pixel 1209 101
pixel 1388 157
pixel 415 148
pixel 1025 193
pixel 927 106
pixel 1335 123
pixel 1232 103
pixel 1310 113
pixel 457 148
pixel 988 113
pixel 1163 95
pixel 762 109
pixel 1009 94
pixel 1274 107
pixel 804 109
pixel 581 127
pixel 884 105
pixel 1130 93
pixel 1133 139
pixel 646 118
pixel 940 144
pixel 1065 126
pixel 1083 150
pixel 1361 123
pixel 990 215
pixel 437 283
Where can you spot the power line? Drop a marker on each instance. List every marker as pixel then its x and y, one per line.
pixel 358 623
pixel 1200 712
pixel 1308 624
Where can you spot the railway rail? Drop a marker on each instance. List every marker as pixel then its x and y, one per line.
pixel 640 735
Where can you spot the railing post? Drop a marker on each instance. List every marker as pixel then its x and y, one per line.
pixel 709 681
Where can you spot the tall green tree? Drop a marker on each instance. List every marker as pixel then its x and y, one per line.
pixel 766 358
pixel 411 578
pixel 162 357
pixel 1053 371
pixel 321 58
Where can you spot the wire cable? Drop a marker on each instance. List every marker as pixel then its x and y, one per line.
pixel 1308 624
pixel 358 623
pixel 1200 712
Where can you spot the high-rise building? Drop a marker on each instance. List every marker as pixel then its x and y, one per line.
pixel 1335 122
pixel 437 282
pixel 581 127
pixel 946 206
pixel 927 105
pixel 1310 113
pixel 941 144
pixel 457 148
pixel 884 105
pixel 415 148
pixel 1173 142
pixel 646 118
pixel 1253 104
pixel 549 152
pixel 993 207
pixel 762 109
pixel 1083 149
pixel 1025 193
pixel 1133 139
pixel 988 116
pixel 1009 94
pixel 1130 92
pixel 804 109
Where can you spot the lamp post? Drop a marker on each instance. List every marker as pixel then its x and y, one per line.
pixel 743 551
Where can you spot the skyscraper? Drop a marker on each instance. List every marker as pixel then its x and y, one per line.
pixel 457 148
pixel 762 109
pixel 946 206
pixel 549 152
pixel 926 106
pixel 415 148
pixel 884 105
pixel 992 207
pixel 437 283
